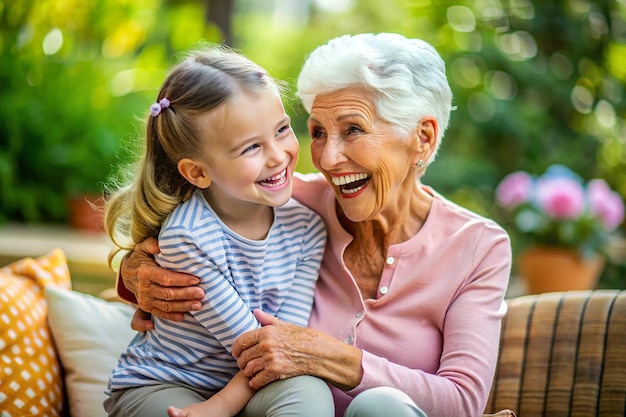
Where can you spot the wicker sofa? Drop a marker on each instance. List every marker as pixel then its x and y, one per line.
pixel 563 354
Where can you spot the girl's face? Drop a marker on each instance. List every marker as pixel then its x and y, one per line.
pixel 367 162
pixel 250 151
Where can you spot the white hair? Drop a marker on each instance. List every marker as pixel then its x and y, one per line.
pixel 406 76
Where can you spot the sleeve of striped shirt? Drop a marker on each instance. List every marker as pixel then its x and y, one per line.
pixel 297 307
pixel 223 312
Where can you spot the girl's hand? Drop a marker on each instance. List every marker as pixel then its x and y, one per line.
pixel 141 321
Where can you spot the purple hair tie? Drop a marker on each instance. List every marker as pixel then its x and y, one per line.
pixel 155 108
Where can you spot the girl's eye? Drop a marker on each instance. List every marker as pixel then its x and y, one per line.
pixel 283 129
pixel 250 148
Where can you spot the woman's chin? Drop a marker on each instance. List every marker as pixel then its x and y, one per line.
pixel 355 212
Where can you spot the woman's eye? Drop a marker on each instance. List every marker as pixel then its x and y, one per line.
pixel 354 129
pixel 315 133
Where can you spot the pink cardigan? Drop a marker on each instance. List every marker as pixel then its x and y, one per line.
pixel 433 331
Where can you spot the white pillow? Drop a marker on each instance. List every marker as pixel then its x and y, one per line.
pixel 90 334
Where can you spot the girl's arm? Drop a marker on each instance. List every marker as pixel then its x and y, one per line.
pixel 296 308
pixel 223 313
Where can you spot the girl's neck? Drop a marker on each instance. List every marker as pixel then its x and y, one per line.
pixel 251 221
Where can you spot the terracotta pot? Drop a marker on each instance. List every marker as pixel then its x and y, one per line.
pixel 547 269
pixel 85 213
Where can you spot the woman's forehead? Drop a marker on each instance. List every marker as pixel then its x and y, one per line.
pixel 341 103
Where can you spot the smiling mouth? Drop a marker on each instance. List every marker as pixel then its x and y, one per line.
pixel 350 184
pixel 276 180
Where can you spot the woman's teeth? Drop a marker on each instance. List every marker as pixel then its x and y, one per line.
pixel 350 184
pixel 347 179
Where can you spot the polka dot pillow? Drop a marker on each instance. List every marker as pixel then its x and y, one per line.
pixel 31 382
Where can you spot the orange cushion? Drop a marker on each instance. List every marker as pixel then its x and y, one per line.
pixel 31 382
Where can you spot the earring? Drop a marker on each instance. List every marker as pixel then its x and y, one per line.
pixel 419 163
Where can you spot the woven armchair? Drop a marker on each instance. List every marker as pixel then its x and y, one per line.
pixel 563 354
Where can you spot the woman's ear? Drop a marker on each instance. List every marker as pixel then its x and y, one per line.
pixel 426 133
pixel 194 173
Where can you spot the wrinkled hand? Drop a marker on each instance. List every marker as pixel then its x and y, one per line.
pixel 273 351
pixel 163 293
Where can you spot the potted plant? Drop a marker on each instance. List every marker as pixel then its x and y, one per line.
pixel 563 224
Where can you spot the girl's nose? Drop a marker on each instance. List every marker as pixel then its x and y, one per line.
pixel 275 154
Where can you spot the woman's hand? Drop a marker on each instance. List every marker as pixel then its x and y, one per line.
pixel 163 293
pixel 281 350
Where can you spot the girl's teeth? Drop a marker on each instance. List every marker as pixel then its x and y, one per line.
pixel 276 179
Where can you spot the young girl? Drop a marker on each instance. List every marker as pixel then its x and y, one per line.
pixel 215 185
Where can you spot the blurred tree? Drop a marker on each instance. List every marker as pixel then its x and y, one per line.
pixel 77 73
pixel 220 12
pixel 535 83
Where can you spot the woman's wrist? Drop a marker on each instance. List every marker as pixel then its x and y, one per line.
pixel 337 363
pixel 126 285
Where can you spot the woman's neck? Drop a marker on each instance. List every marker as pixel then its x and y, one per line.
pixel 393 226
pixel 365 255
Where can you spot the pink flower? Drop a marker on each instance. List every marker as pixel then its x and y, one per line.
pixel 561 197
pixel 514 189
pixel 559 209
pixel 605 204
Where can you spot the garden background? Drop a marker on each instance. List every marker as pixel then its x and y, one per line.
pixel 535 83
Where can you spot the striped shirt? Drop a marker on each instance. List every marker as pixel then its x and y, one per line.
pixel 277 275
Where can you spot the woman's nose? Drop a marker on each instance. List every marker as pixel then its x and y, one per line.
pixel 332 154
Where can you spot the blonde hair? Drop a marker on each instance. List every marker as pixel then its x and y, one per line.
pixel 205 79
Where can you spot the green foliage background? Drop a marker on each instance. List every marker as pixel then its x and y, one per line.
pixel 535 83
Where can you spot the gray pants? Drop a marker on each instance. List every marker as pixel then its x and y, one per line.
pixel 293 397
pixel 383 402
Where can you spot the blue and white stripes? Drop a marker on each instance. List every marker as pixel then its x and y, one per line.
pixel 276 274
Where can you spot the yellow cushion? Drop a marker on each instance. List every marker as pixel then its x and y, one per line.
pixel 31 382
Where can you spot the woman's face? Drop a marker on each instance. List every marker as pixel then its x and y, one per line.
pixel 367 162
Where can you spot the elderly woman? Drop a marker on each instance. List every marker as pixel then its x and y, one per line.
pixel 407 310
